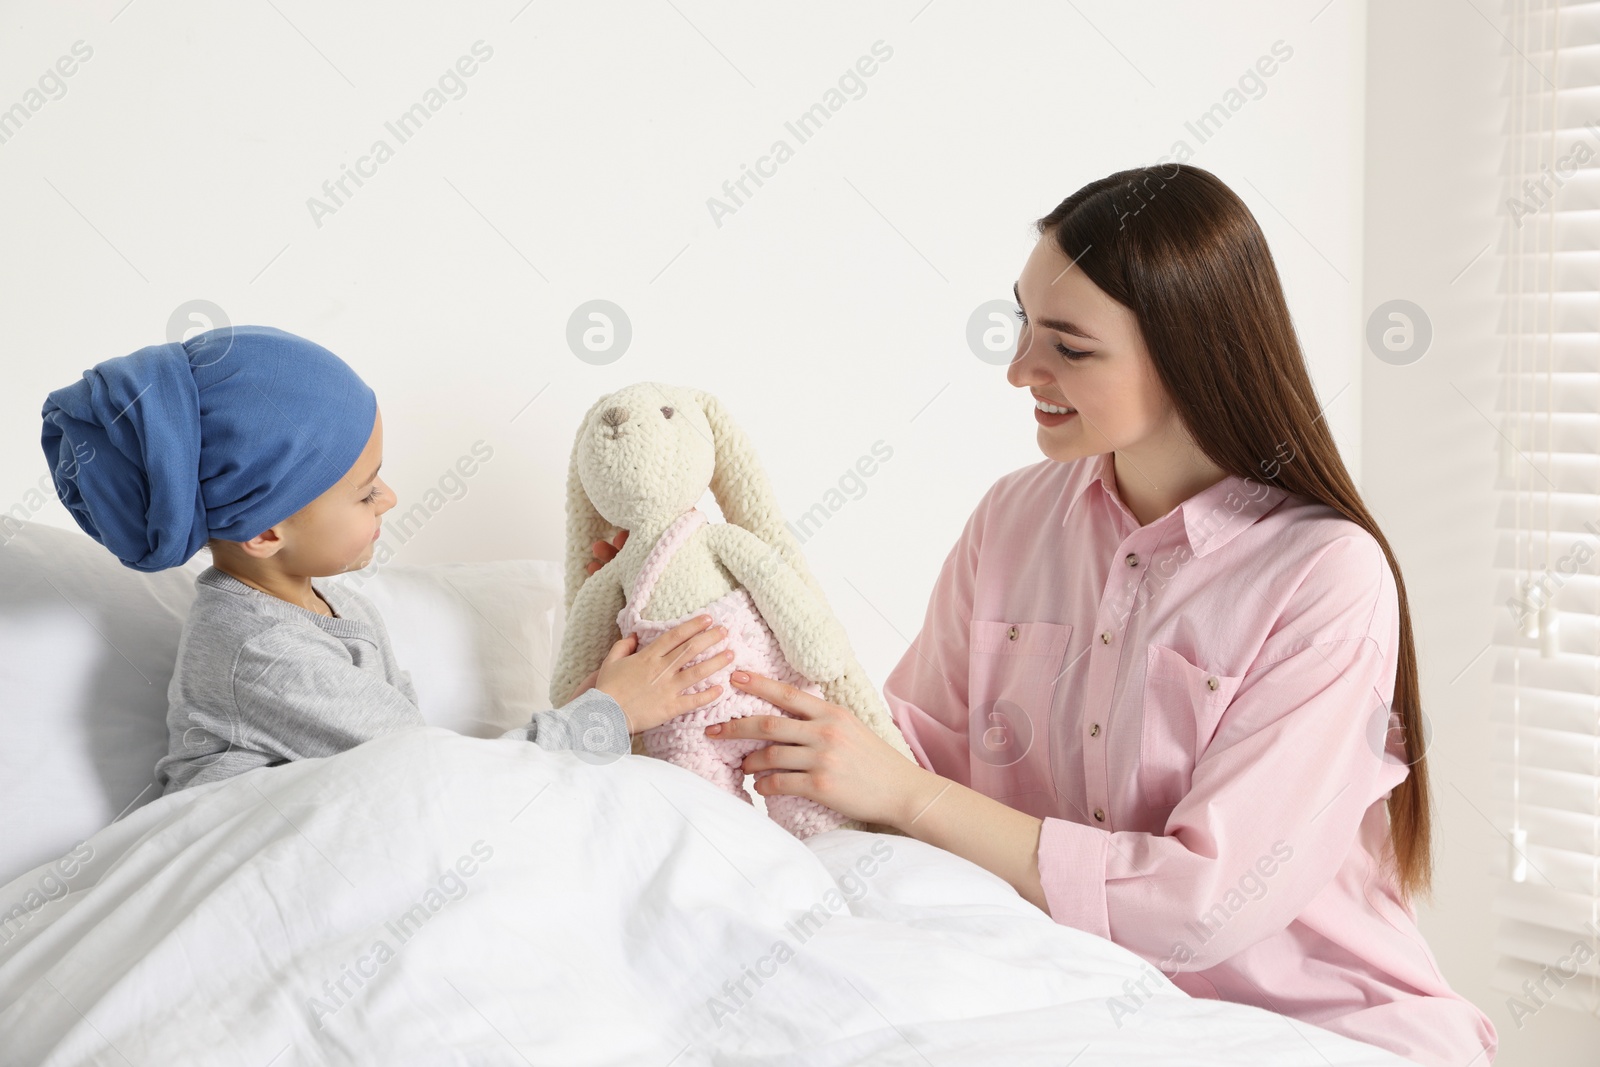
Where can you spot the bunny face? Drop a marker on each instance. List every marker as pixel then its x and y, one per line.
pixel 645 454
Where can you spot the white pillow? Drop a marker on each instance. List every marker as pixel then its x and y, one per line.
pixel 87 647
pixel 86 650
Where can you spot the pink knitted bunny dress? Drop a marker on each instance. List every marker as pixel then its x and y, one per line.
pixel 682 741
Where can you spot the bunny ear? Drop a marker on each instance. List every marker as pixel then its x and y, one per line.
pixel 585 525
pixel 743 492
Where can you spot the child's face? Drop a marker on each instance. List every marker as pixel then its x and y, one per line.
pixel 338 531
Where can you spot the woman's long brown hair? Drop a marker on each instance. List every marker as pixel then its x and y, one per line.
pixel 1179 249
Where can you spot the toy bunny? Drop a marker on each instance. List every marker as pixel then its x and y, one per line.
pixel 643 458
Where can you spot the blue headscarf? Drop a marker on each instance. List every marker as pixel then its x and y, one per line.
pixel 224 435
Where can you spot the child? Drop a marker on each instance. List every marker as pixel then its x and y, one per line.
pixel 266 448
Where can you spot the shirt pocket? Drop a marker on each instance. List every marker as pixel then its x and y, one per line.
pixel 1013 671
pixel 1183 703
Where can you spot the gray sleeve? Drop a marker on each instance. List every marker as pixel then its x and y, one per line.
pixel 357 606
pixel 591 722
pixel 407 688
pixel 287 696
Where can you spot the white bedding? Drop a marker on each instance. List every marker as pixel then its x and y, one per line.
pixel 561 912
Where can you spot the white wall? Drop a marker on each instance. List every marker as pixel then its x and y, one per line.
pixel 829 312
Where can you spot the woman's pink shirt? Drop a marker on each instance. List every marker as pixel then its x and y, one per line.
pixel 1198 710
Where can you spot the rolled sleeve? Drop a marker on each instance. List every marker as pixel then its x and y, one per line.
pixel 592 722
pixel 1272 813
pixel 1072 871
pixel 1277 799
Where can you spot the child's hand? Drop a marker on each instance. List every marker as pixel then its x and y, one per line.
pixel 650 683
pixel 605 551
pixel 622 648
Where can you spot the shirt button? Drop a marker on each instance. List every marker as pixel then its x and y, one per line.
pixel 1099 815
pixel 1105 638
pixel 1211 683
pixel 1094 731
pixel 1133 559
pixel 1011 634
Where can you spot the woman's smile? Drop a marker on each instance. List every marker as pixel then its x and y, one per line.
pixel 1048 414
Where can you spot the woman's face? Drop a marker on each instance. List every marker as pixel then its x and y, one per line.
pixel 1078 348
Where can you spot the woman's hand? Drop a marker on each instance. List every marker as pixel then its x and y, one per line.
pixel 828 755
pixel 605 551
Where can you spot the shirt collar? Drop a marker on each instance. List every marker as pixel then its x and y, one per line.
pixel 345 625
pixel 1211 518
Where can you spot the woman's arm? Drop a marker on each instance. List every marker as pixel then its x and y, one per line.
pixel 1290 776
pixel 979 828
pixel 830 756
pixel 927 693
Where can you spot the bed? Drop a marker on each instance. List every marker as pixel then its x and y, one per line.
pixel 439 896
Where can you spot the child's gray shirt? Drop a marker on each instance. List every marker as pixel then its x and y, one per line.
pixel 260 681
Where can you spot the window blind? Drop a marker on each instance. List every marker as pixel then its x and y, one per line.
pixel 1545 711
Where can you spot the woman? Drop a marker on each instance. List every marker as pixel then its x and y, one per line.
pixel 1152 689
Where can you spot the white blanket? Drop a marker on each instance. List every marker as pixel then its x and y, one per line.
pixel 429 898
